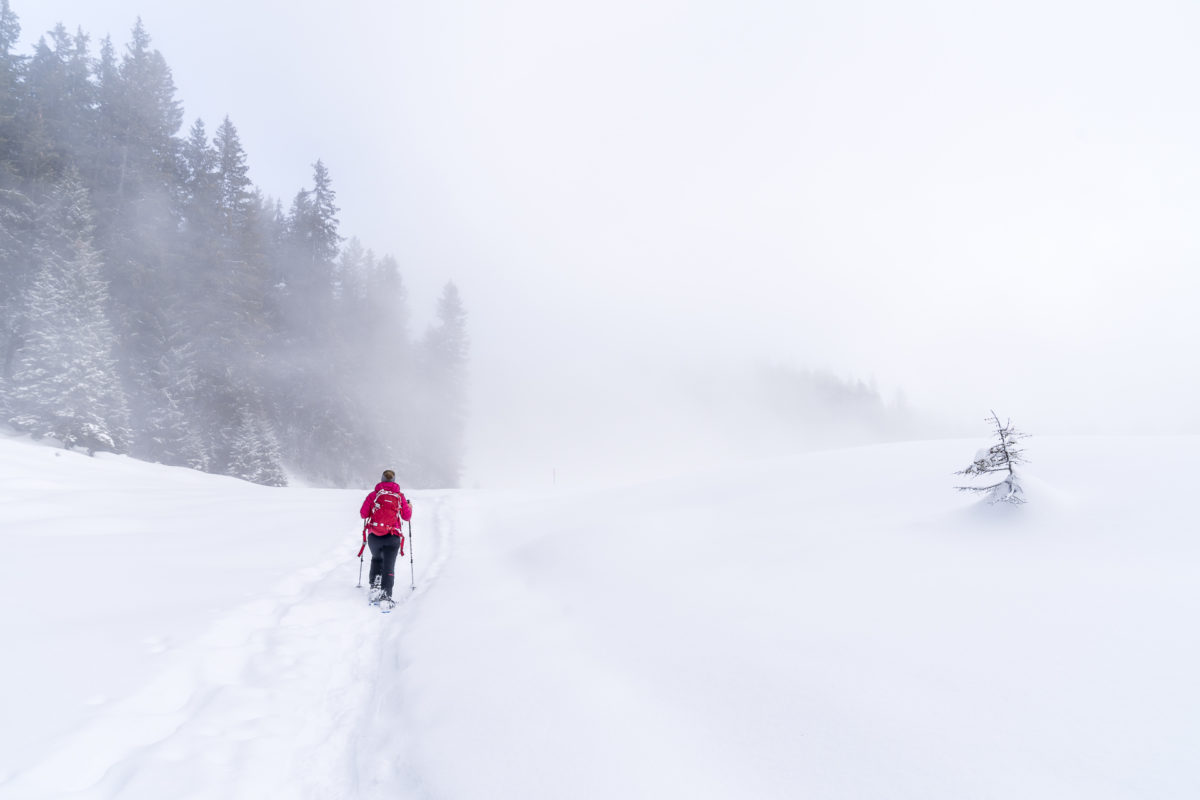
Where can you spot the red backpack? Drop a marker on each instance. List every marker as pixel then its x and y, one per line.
pixel 385 514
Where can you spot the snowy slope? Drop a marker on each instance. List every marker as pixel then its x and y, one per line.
pixel 833 625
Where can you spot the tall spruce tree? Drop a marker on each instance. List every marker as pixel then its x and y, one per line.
pixel 153 117
pixel 59 105
pixel 236 198
pixel 323 236
pixel 245 246
pixel 197 259
pixel 444 358
pixel 314 245
pixel 11 68
pixel 16 211
pixel 141 229
pixel 10 34
pixel 200 176
pixel 109 153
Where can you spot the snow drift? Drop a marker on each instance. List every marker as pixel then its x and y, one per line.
pixel 837 624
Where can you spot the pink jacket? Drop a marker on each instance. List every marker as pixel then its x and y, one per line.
pixel 369 503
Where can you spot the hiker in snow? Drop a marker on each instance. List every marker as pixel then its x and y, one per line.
pixel 383 511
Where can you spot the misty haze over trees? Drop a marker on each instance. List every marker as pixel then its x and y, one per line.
pixel 154 302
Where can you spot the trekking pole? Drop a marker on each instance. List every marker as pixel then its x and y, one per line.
pixel 360 556
pixel 412 570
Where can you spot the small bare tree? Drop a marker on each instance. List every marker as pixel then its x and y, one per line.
pixel 999 458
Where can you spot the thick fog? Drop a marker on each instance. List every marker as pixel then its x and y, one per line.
pixel 673 224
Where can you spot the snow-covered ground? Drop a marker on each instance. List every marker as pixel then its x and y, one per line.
pixel 834 625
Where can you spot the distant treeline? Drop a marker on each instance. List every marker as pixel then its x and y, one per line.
pixel 815 408
pixel 154 302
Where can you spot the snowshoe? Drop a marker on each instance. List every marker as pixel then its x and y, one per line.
pixel 376 593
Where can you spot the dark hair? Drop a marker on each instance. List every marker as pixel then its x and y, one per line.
pixel 388 475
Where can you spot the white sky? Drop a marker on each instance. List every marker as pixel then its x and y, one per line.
pixel 980 204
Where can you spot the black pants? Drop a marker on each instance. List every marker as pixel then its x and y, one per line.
pixel 384 550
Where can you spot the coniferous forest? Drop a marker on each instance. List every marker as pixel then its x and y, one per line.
pixel 154 302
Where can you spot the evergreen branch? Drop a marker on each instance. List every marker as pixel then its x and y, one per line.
pixel 980 488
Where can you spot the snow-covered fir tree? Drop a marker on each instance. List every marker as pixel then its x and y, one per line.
pixel 999 459
pixel 254 451
pixel 18 223
pixel 64 383
pixel 174 428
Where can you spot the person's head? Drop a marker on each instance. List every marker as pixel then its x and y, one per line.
pixel 389 476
